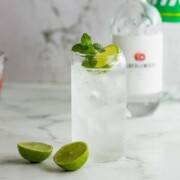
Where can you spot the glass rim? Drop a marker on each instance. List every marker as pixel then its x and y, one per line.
pixel 96 70
pixel 97 56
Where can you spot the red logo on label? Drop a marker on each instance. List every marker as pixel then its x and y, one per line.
pixel 139 57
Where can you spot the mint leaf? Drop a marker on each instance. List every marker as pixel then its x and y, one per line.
pixel 86 64
pixel 89 50
pixel 77 48
pixel 98 47
pixel 83 49
pixel 92 62
pixel 86 40
pixel 89 62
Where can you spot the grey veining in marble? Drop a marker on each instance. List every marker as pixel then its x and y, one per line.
pixel 42 113
pixel 37 35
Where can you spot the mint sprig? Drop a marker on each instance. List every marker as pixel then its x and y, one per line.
pixel 89 49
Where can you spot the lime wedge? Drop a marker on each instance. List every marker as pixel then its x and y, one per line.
pixel 72 156
pixel 34 151
pixel 102 58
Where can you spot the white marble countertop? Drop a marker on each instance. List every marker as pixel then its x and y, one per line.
pixel 42 113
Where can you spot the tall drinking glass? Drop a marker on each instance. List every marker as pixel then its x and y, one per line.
pixel 99 106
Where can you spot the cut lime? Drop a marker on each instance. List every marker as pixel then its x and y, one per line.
pixel 34 151
pixel 102 58
pixel 72 156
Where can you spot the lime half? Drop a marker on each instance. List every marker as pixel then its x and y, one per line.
pixel 102 58
pixel 72 156
pixel 34 151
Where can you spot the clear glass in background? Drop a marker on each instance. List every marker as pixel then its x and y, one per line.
pixel 2 61
pixel 170 12
pixel 99 107
pixel 136 27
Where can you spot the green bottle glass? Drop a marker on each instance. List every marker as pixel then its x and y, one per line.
pixel 169 9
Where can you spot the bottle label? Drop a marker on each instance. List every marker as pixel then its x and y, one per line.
pixel 169 9
pixel 144 62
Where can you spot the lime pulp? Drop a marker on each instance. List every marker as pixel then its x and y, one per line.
pixel 72 156
pixel 102 58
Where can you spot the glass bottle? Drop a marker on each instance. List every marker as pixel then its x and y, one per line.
pixel 136 27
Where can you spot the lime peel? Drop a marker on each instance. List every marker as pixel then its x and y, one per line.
pixel 34 151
